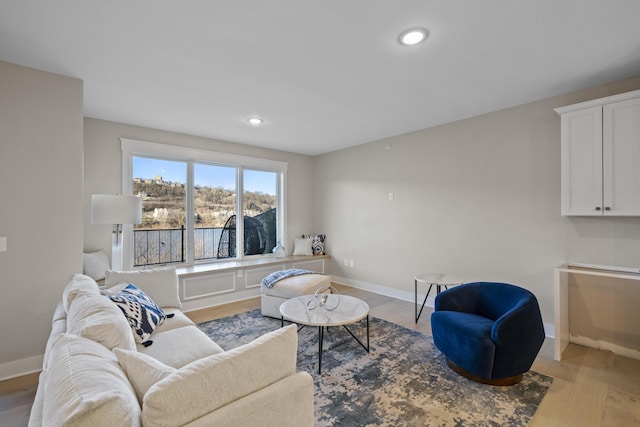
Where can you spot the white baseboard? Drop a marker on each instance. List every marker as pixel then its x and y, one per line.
pixel 549 329
pixel 381 290
pixel 21 367
pixel 604 345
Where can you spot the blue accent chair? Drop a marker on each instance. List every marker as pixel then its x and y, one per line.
pixel 489 332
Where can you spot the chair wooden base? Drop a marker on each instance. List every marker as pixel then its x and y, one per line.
pixel 497 381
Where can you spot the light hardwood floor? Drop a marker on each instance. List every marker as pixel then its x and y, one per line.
pixel 590 388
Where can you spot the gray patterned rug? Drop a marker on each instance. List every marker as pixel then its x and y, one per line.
pixel 403 381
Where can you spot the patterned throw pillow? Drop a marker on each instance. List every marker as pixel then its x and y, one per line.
pixel 318 243
pixel 142 313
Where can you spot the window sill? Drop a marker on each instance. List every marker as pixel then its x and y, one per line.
pixel 244 263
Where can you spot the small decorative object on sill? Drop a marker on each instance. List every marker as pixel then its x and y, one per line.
pixel 325 298
pixel 279 250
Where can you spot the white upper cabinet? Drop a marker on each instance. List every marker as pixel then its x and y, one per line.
pixel 582 162
pixel 601 156
pixel 621 157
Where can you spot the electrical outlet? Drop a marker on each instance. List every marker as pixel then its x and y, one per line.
pixel 351 263
pixel 3 244
pixel 346 262
pixel 239 273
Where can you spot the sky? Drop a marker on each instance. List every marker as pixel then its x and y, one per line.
pixel 205 175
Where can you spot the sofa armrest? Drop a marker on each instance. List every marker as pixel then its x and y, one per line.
pixel 210 383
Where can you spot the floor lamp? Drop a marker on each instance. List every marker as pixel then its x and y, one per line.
pixel 116 210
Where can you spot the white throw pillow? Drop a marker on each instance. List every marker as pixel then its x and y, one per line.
pixel 161 284
pixel 95 264
pixel 236 373
pixel 302 246
pixel 85 386
pixel 143 371
pixel 97 318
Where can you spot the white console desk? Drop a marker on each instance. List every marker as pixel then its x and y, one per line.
pixel 561 295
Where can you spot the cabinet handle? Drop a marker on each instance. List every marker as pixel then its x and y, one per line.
pixel 607 208
pixel 597 208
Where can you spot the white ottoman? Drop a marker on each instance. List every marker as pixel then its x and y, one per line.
pixel 304 284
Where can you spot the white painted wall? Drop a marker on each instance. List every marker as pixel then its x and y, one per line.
pixel 40 206
pixel 478 198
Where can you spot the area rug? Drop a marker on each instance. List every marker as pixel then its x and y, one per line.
pixel 403 381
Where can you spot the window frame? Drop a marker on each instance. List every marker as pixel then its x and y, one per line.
pixel 132 147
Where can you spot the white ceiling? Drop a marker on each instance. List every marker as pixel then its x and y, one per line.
pixel 324 74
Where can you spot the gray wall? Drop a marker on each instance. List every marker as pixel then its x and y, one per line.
pixel 40 207
pixel 478 198
pixel 103 166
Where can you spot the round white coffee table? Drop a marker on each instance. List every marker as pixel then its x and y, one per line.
pixel 341 310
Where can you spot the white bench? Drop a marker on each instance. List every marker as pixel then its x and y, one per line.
pixel 291 287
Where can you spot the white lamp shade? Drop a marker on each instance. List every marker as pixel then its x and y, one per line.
pixel 114 209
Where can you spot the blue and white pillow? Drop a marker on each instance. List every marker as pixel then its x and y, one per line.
pixel 142 313
pixel 317 244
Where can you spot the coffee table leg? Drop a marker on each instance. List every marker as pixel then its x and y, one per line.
pixel 320 339
pixel 358 339
pixel 367 333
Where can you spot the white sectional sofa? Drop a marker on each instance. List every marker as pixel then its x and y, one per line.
pixel 96 374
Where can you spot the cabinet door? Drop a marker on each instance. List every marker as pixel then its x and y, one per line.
pixel 582 162
pixel 621 158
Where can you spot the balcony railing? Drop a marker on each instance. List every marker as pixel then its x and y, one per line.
pixel 168 245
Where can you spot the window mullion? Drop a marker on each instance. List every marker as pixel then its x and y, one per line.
pixel 239 214
pixel 281 192
pixel 189 215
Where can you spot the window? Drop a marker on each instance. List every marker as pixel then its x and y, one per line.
pixel 215 200
pixel 196 203
pixel 259 204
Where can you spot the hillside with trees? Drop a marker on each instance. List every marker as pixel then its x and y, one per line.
pixel 164 205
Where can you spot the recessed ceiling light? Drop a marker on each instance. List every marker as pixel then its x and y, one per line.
pixel 255 121
pixel 413 36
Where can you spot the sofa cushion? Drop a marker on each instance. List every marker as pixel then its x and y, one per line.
pixel 180 346
pixel 85 385
pixel 175 319
pixel 187 394
pixel 142 370
pixel 79 285
pixel 97 318
pixel 142 313
pixel 161 284
pixel 58 326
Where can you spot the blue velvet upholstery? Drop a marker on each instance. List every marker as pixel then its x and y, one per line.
pixel 491 330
